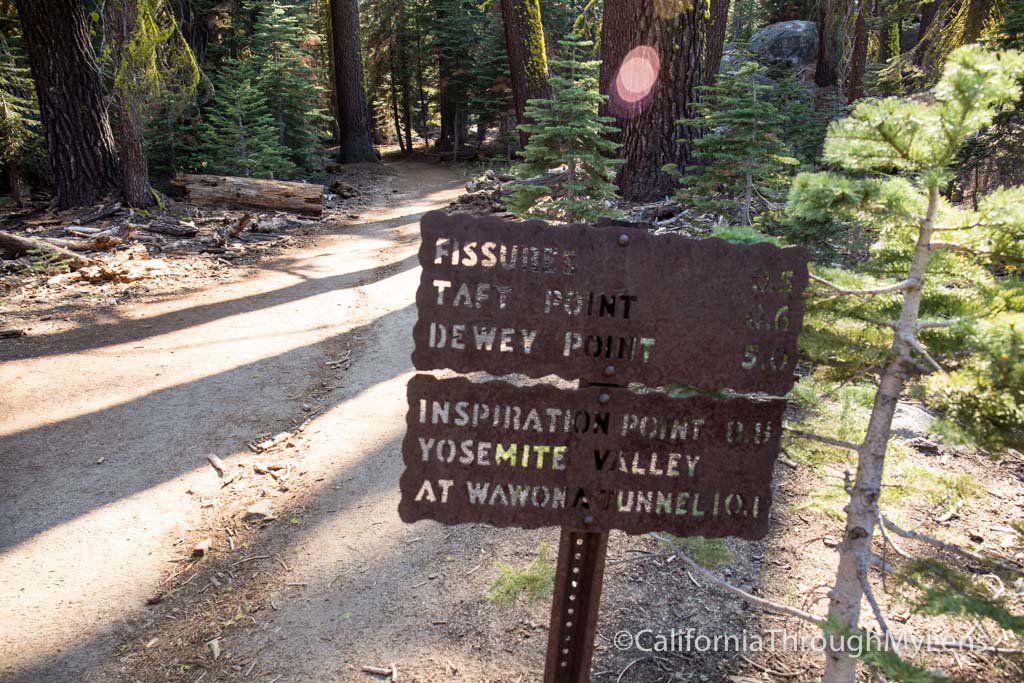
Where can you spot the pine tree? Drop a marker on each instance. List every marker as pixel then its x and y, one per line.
pixel 240 136
pixel 742 153
pixel 287 80
pixel 947 308
pixel 568 131
pixel 491 90
pixel 21 144
pixel 745 17
pixel 456 38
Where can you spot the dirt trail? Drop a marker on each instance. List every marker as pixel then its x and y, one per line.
pixel 148 393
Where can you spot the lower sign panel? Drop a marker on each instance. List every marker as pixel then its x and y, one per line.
pixel 595 458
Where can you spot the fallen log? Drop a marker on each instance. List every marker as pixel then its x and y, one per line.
pixel 231 191
pixel 172 227
pixel 20 246
pixel 100 242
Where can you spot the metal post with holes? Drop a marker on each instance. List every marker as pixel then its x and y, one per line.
pixel 578 580
pixel 580 574
pixel 575 605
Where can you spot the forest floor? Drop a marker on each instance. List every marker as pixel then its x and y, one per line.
pixel 292 370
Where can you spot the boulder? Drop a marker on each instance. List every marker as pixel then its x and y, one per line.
pixel 794 41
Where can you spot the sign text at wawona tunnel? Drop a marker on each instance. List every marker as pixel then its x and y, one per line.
pixel 614 305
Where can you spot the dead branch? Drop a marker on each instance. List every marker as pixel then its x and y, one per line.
pixel 942 545
pixel 760 602
pixel 865 583
pixel 885 537
pixel 951 246
pixel 919 347
pixel 930 324
pixel 884 289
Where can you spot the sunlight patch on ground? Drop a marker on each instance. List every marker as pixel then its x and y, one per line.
pixel 174 359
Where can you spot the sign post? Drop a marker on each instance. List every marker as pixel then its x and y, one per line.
pixel 613 306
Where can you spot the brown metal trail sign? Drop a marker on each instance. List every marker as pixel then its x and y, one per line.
pixel 583 302
pixel 607 306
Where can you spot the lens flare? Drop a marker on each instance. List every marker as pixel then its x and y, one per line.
pixel 635 80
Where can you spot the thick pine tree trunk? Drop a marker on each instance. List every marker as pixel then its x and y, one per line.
pixel 122 15
pixel 652 63
pixel 79 142
pixel 527 57
pixel 862 511
pixel 826 70
pixel 353 118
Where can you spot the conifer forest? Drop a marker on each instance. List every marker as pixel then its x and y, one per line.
pixel 219 287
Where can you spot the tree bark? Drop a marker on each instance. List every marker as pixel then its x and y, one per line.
pixel 826 70
pixel 859 57
pixel 928 12
pixel 862 511
pixel 234 191
pixel 353 118
pixel 527 56
pixel 122 16
pixel 333 79
pixel 652 63
pixel 719 12
pixel 447 138
pixel 80 145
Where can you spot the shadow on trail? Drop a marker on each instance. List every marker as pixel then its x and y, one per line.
pixel 107 334
pixel 36 505
pixel 68 665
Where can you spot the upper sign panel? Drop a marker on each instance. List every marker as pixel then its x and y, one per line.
pixel 612 302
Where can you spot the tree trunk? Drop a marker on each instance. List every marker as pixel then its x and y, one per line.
pixel 826 70
pixel 527 58
pixel 446 105
pixel 333 73
pixel 79 142
pixel 353 119
pixel 403 70
pixel 719 22
pixel 928 12
pixel 859 57
pixel 16 183
pixel 862 511
pixel 651 66
pixel 446 108
pixel 394 108
pixel 172 146
pixel 122 16
pixel 748 200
